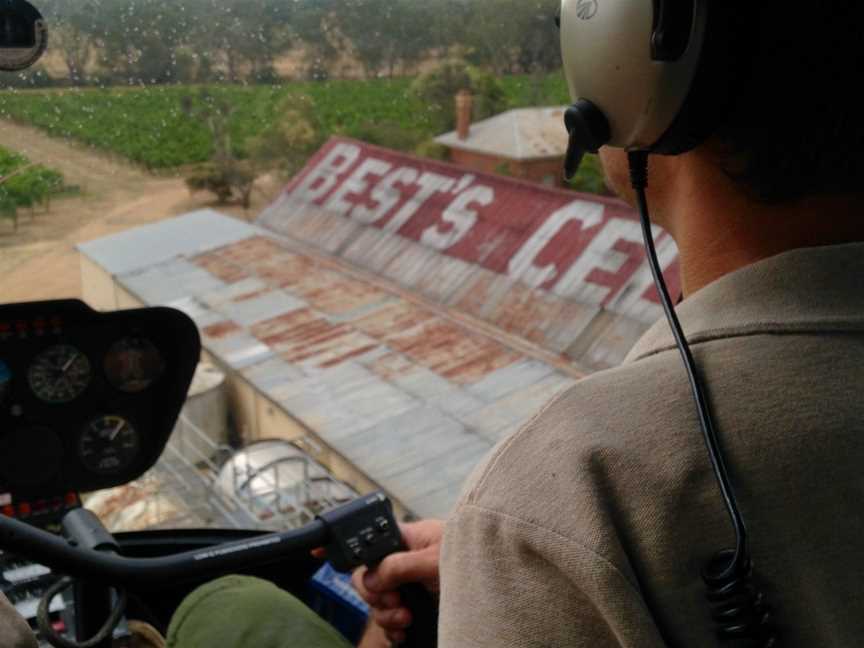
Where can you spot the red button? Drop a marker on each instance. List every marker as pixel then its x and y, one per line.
pixel 24 509
pixel 71 499
pixel 9 510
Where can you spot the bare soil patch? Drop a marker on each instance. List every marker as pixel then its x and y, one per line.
pixel 40 261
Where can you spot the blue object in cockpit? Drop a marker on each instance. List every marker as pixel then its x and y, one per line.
pixel 335 600
pixel 5 379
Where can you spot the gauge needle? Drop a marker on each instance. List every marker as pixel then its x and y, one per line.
pixel 116 431
pixel 68 364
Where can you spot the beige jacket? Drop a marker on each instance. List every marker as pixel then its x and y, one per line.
pixel 590 526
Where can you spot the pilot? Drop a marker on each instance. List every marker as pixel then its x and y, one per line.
pixel 593 524
pixel 590 527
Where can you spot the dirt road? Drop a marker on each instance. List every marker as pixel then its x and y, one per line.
pixel 40 261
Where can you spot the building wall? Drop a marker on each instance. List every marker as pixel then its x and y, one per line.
pixel 97 286
pixel 548 172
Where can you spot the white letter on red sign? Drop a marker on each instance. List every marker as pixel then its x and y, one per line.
pixel 599 255
pixel 460 217
pixel 337 162
pixel 522 266
pixel 356 184
pixel 385 194
pixel 430 183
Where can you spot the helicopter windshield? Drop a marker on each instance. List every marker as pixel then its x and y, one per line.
pixel 359 203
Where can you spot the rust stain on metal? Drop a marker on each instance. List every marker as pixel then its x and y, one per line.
pixel 251 250
pixel 420 333
pixel 251 295
pixel 393 319
pixel 221 330
pixel 527 313
pixel 451 352
pixel 348 356
pixel 221 268
pixel 278 329
pixel 392 365
pixel 477 367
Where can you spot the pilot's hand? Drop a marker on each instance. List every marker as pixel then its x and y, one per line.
pixel 419 564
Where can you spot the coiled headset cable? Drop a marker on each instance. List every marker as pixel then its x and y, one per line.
pixel 739 610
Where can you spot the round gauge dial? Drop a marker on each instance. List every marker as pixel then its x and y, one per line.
pixel 60 374
pixel 108 445
pixel 133 364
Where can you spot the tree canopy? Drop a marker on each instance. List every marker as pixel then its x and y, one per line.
pixel 165 41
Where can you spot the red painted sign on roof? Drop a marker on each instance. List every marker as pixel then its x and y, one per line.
pixel 576 246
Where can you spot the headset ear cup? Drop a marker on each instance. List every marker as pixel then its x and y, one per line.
pixel 725 63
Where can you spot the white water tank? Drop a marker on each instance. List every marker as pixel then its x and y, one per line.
pixel 203 424
pixel 274 478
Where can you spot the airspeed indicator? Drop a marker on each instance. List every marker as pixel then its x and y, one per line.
pixel 59 374
pixel 108 445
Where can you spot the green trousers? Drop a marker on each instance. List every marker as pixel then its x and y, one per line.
pixel 245 612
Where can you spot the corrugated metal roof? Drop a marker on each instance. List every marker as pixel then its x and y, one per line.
pixel 196 232
pixel 394 386
pixel 562 270
pixel 519 134
pixel 412 319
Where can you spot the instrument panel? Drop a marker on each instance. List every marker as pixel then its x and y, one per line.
pixel 88 400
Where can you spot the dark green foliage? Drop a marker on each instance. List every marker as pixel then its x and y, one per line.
pixel 25 185
pixel 590 178
pixel 290 139
pixel 147 42
pixel 389 135
pixel 436 90
pixel 149 125
pixel 225 181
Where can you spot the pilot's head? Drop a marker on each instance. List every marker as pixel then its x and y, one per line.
pixel 775 112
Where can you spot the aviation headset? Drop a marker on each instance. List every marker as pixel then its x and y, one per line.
pixel 658 77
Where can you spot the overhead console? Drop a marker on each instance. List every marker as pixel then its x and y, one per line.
pixel 88 400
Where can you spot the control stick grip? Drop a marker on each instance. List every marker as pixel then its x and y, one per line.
pixel 423 631
pixel 364 532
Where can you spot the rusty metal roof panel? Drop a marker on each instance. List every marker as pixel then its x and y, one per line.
pixel 537 262
pixel 240 288
pixel 168 282
pixel 250 310
pixel 352 361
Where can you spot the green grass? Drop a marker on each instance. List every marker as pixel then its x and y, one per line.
pixel 148 124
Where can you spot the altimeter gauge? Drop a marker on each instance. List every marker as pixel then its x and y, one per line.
pixel 108 445
pixel 133 364
pixel 59 374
